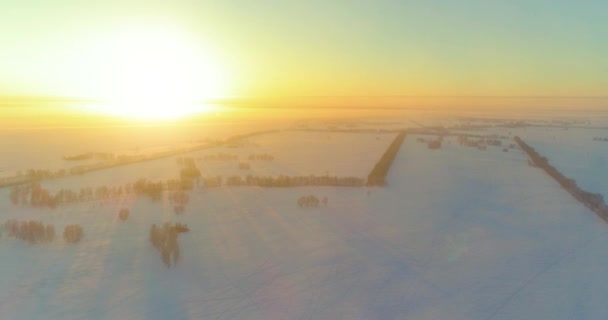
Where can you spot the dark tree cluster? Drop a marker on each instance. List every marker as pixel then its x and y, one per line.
pixel 164 239
pixel 40 174
pixel 189 169
pixel 594 201
pixel 377 177
pixel 35 195
pixel 73 233
pixel 30 231
pixel 481 143
pixel 212 181
pixel 91 155
pixel 150 188
pixel 297 181
pixel 262 157
pixel 434 144
pixel 311 201
pixel 123 214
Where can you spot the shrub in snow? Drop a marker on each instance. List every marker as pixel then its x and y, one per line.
pixel 308 201
pixel 123 214
pixel 434 144
pixel 164 239
pixel 72 233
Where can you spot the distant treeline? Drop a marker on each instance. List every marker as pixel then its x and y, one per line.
pixel 233 157
pixel 295 181
pixel 593 201
pixel 377 177
pixel 90 155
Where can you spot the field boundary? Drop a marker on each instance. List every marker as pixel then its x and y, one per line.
pixel 377 177
pixel 594 201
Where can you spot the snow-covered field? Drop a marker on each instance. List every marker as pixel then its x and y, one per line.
pixel 44 148
pixel 296 153
pixel 459 233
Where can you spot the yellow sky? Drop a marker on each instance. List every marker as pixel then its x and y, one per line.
pixel 127 51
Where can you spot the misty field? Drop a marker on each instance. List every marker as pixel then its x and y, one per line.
pixel 460 232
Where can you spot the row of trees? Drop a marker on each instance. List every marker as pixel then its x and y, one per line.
pixel 295 181
pixel 35 195
pixel 261 156
pixel 593 201
pixel 30 231
pixel 377 177
pixel 91 155
pixel 109 160
pixel 233 157
pixel 164 239
pixel 37 232
pixel 481 143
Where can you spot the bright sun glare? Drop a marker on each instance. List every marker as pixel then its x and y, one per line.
pixel 157 74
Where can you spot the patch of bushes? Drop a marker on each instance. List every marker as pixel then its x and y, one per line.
pixel 434 144
pixel 73 233
pixel 310 201
pixel 30 231
pixel 123 214
pixel 164 239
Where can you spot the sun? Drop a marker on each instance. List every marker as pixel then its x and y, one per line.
pixel 158 74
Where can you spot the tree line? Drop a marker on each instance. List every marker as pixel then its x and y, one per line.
pixel 35 232
pixel 594 201
pixel 37 196
pixel 377 177
pixel 34 194
pixel 283 181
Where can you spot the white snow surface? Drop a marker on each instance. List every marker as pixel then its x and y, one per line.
pixel 458 234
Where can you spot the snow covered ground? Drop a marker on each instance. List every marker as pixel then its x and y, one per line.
pixel 459 233
pixel 296 153
pixel 44 148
